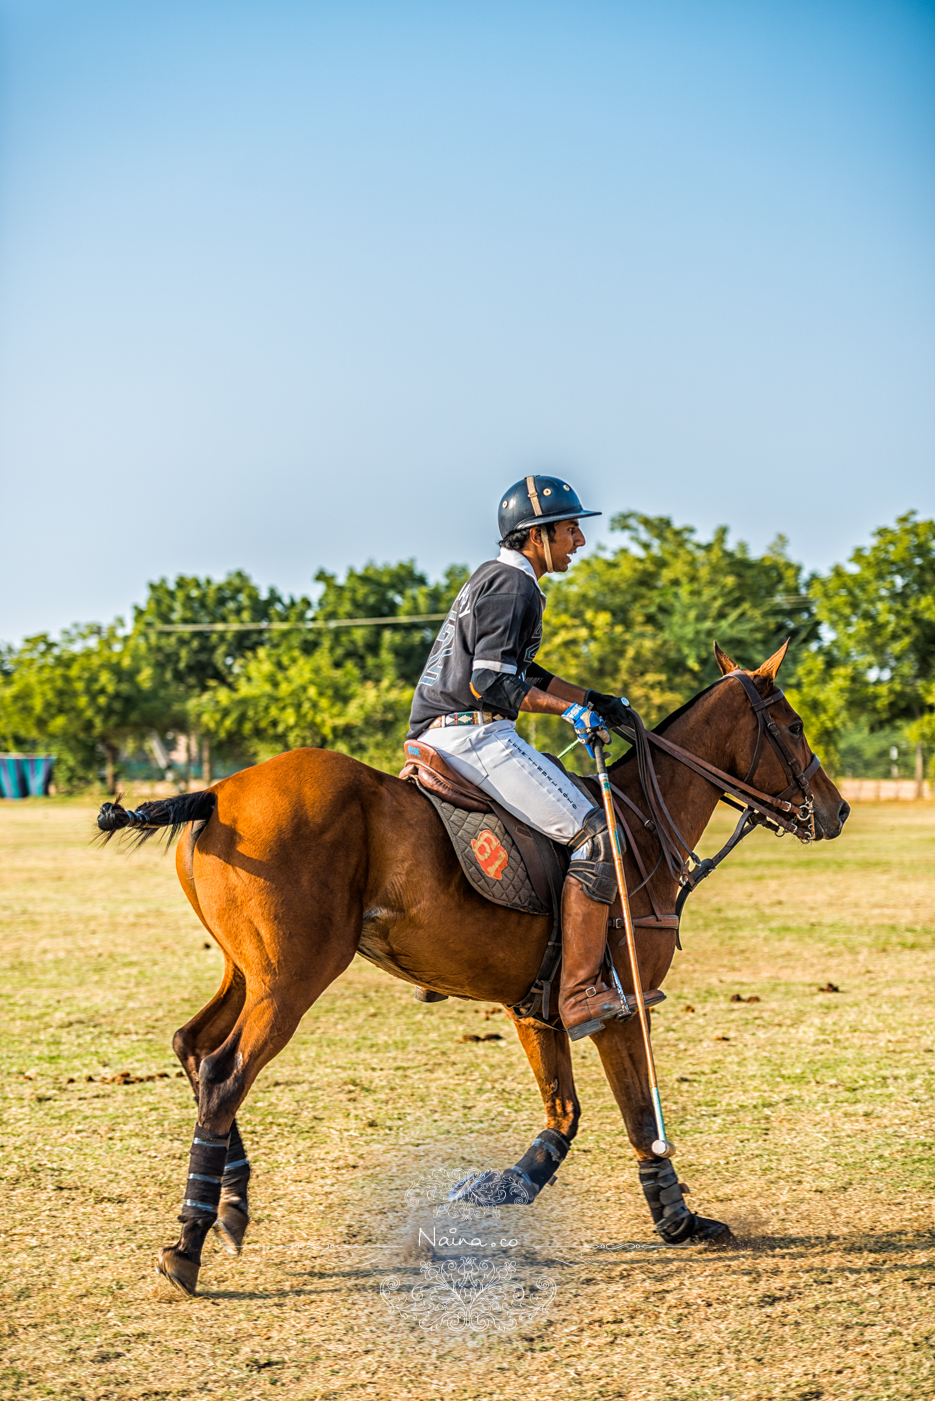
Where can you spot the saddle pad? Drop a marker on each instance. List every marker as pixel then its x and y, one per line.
pixel 489 857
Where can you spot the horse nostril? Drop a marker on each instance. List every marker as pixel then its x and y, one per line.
pixel 844 812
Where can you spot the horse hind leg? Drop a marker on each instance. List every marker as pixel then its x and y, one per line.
pixel 206 1031
pixel 266 1022
pixel 549 1055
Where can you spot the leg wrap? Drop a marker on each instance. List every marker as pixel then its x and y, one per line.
pixel 671 1217
pixel 540 1162
pixel 203 1193
pixel 236 1172
pixel 594 868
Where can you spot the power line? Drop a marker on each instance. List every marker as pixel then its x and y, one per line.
pixel 330 623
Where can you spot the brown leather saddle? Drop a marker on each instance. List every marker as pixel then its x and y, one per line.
pixel 425 766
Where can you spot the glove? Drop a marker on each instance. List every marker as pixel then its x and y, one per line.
pixel 587 726
pixel 613 709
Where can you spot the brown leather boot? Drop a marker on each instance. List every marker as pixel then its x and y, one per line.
pixel 586 1002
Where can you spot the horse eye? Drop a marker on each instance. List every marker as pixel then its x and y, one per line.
pixel 797 729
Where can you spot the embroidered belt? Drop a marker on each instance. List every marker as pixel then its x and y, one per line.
pixel 465 717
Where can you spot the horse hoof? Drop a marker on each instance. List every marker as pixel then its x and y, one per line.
pixel 508 1188
pixel 712 1235
pixel 231 1226
pixel 178 1269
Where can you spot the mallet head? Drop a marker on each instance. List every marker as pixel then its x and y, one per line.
pixel 662 1149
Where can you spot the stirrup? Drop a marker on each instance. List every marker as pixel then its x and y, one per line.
pixel 651 998
pixel 427 995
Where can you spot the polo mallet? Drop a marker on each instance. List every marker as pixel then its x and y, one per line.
pixel 661 1147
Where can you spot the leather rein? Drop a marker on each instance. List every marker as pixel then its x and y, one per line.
pixel 792 810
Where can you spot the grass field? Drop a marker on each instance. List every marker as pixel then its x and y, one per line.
pixel 803 1119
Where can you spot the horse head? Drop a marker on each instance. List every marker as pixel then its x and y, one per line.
pixel 763 764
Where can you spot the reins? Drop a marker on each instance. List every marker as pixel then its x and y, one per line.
pixel 775 811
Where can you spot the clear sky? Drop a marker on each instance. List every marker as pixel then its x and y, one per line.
pixel 292 284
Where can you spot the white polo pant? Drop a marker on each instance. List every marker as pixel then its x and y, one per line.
pixel 521 779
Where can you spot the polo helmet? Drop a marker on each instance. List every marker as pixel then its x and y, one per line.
pixel 538 501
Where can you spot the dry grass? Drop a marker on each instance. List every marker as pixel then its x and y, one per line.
pixel 802 1118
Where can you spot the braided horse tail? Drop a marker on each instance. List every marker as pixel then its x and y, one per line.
pixel 149 818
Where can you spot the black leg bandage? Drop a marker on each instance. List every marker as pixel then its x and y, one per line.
pixel 540 1162
pixel 236 1172
pixel 671 1217
pixel 203 1192
pixel 595 871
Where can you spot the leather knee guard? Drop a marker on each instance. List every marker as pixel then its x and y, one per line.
pixel 595 871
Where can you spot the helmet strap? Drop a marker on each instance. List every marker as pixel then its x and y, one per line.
pixel 543 529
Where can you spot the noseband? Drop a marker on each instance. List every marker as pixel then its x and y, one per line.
pixel 775 811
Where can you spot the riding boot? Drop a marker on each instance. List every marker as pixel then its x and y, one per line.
pixel 585 1002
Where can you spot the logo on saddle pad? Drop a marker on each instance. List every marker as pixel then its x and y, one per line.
pixel 492 856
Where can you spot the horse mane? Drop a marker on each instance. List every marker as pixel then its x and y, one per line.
pixel 663 725
pixel 668 720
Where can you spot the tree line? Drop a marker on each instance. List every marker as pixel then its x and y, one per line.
pixel 638 619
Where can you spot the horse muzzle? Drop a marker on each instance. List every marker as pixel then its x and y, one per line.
pixel 830 819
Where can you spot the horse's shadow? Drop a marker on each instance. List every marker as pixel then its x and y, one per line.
pixel 889 1243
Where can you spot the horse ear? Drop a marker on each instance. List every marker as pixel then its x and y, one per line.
pixel 772 665
pixel 724 661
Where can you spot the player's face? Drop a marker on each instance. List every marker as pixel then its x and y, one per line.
pixel 569 537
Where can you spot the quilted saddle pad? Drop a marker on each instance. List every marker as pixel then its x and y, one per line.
pixel 489 857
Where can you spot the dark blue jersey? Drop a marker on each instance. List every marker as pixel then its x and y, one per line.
pixel 491 637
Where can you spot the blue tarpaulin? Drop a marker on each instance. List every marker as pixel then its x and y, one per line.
pixel 25 775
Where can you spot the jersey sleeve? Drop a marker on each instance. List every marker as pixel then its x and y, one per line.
pixel 500 624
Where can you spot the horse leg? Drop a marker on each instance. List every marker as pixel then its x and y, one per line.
pixel 271 1008
pixel 549 1054
pixel 620 1047
pixel 191 1043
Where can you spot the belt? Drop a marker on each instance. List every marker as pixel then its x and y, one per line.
pixel 465 717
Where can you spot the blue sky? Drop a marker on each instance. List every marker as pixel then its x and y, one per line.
pixel 286 285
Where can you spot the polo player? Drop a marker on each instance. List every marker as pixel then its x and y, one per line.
pixel 481 673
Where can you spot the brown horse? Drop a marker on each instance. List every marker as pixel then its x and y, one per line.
pixel 299 863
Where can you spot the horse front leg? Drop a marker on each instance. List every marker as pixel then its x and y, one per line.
pixel 620 1046
pixel 549 1055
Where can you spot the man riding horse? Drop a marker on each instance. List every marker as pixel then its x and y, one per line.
pixel 480 674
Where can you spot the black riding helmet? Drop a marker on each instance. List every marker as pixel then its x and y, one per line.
pixel 537 501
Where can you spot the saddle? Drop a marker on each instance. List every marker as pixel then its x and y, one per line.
pixel 487 838
pixel 503 859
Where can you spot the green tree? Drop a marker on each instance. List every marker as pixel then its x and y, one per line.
pixel 179 667
pixel 875 659
pixel 346 688
pixel 183 664
pixel 384 591
pixel 80 697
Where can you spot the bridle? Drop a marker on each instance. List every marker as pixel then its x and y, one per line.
pixel 778 812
